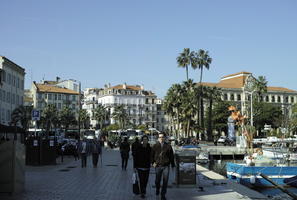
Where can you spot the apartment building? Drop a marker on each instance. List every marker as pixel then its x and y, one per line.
pixel 51 92
pixel 140 104
pixel 12 78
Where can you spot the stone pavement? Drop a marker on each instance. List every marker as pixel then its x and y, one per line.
pixel 108 182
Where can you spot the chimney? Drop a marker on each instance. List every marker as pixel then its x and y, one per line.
pixel 141 87
pixel 58 79
pixel 124 86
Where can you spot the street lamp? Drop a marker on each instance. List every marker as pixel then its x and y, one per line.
pixel 251 93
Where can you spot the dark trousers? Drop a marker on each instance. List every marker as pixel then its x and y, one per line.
pixel 162 172
pixel 95 157
pixel 83 160
pixel 124 162
pixel 143 179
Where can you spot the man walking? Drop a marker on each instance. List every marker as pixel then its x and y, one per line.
pixel 162 157
pixel 84 150
pixel 96 150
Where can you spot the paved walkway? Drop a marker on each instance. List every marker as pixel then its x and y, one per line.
pixel 108 182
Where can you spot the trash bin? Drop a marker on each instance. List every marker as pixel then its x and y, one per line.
pixel 48 152
pixel 186 168
pixel 32 151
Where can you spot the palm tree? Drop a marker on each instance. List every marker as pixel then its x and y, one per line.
pixel 100 114
pixel 120 115
pixel 21 115
pixel 260 86
pixel 185 59
pixel 66 118
pixel 202 60
pixel 49 117
pixel 84 118
pixel 212 94
pixel 172 103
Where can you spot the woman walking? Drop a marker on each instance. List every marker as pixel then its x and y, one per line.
pixel 143 163
pixel 124 150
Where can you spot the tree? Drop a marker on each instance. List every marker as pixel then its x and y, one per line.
pixel 185 59
pixel 202 60
pixel 260 86
pixel 84 118
pixel 266 113
pixel 121 116
pixel 293 119
pixel 100 115
pixel 49 117
pixel 21 115
pixel 212 94
pixel 66 118
pixel 220 116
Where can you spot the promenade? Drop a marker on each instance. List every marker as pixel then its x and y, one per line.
pixel 68 181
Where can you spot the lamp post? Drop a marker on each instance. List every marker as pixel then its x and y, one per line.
pixel 252 119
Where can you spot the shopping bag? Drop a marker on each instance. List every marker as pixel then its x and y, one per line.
pixel 135 182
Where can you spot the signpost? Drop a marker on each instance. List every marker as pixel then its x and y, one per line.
pixel 35 117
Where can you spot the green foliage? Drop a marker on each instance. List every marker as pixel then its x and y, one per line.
pixel 67 117
pixel 220 115
pixel 266 113
pixel 22 115
pixel 112 127
pixel 84 117
pixel 121 116
pixel 141 127
pixel 293 119
pixel 113 137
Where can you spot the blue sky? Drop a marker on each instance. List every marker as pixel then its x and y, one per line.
pixel 137 42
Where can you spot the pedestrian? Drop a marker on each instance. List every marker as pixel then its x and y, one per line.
pixel 84 150
pixel 162 157
pixel 124 150
pixel 142 161
pixel 135 146
pixel 75 151
pixel 96 151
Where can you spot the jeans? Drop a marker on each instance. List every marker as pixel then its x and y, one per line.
pixel 83 160
pixel 95 157
pixel 162 171
pixel 143 179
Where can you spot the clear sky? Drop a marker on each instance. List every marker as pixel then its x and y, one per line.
pixel 137 42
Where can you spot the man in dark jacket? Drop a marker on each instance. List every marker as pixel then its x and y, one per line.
pixel 162 157
pixel 135 146
pixel 142 162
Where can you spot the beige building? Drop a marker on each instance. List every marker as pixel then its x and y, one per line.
pixel 49 92
pixel 12 78
pixel 236 87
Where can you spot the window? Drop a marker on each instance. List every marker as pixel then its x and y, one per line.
pixel 8 97
pixel 273 99
pixel 267 98
pixel 239 97
pixel 73 98
pixel 232 97
pixel 18 82
pixel 17 100
pixel 13 98
pixel 39 96
pixel 59 106
pixel 225 97
pixel 55 96
pixel 278 99
pixel 13 80
pixel 9 78
pixel 292 99
pixel 49 96
pixel 59 96
pixel 3 95
pixel 287 99
pixel 4 76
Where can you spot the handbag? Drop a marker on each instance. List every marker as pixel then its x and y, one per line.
pixel 135 182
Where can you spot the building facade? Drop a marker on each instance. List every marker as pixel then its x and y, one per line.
pixel 140 104
pixel 50 92
pixel 237 88
pixel 12 78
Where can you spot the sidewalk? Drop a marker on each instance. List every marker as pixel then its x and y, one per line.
pixel 68 181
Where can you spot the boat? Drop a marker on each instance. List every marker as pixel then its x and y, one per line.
pixel 291 181
pixel 251 175
pixel 283 153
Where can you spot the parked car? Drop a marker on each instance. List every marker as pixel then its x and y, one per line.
pixel 222 139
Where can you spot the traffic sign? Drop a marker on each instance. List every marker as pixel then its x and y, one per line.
pixel 35 115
